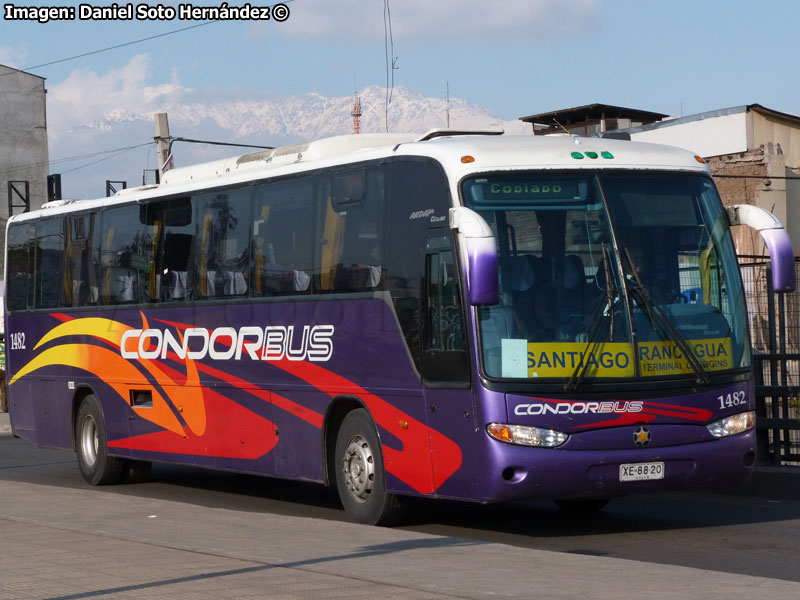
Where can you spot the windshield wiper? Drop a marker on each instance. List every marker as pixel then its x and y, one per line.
pixel 659 321
pixel 604 309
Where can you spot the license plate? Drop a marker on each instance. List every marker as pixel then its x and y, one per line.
pixel 641 471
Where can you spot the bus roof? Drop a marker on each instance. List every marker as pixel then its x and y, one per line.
pixel 459 152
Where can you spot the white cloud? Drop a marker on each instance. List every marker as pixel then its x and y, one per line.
pixel 13 56
pixel 86 97
pixel 476 19
pixel 91 113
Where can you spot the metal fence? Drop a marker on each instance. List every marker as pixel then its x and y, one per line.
pixel 775 331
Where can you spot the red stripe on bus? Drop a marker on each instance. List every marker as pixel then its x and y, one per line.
pixel 232 432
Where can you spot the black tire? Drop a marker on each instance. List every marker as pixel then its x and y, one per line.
pixel 583 505
pixel 135 471
pixel 97 467
pixel 360 477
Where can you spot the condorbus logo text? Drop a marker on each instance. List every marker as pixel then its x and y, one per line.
pixel 579 408
pixel 273 342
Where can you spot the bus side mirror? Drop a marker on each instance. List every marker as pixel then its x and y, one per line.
pixel 775 237
pixel 479 251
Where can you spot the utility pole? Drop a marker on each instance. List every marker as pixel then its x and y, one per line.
pixel 162 139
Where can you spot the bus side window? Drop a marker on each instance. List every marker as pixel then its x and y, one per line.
pixel 171 250
pixel 283 249
pixel 419 199
pixel 81 273
pixel 19 278
pixel 444 351
pixel 49 262
pixel 125 256
pixel 353 237
pixel 223 229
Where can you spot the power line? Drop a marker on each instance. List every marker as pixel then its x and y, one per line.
pixel 118 151
pixel 147 39
pixel 123 151
pixel 182 139
pixel 67 159
pixel 131 43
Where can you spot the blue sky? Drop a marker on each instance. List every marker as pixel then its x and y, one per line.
pixel 514 57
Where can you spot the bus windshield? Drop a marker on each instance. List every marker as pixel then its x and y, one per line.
pixel 609 275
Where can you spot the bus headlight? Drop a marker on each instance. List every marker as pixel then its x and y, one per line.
pixel 733 424
pixel 526 436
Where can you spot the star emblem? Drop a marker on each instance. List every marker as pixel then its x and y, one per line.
pixel 641 437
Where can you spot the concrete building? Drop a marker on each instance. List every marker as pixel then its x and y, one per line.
pixel 23 141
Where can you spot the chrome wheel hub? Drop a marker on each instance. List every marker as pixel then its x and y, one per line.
pixel 359 468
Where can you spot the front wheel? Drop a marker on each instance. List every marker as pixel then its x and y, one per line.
pixel 360 477
pixel 97 467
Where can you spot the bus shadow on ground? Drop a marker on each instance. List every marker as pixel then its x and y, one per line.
pixel 515 522
pixel 534 518
pixel 630 514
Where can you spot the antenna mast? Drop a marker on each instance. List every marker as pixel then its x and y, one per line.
pixel 356 113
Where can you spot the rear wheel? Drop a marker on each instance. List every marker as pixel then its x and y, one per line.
pixel 360 477
pixel 97 467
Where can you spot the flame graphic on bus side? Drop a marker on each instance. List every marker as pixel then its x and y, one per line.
pixel 185 401
pixel 179 401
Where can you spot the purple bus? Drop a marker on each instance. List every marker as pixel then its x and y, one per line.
pixel 457 315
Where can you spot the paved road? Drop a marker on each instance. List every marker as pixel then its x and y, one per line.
pixel 198 534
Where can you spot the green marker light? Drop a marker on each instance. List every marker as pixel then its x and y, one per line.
pixel 591 154
pixel 606 154
pixel 577 155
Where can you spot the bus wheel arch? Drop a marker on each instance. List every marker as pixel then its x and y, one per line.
pixel 357 468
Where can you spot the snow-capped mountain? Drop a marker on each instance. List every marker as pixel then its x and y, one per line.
pixel 197 114
pixel 310 116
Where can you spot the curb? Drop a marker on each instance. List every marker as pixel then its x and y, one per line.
pixel 780 483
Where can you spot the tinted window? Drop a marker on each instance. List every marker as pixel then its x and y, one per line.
pixel 223 236
pixel 443 308
pixel 82 272
pixel 419 201
pixel 283 237
pixel 444 357
pixel 173 241
pixel 19 275
pixel 353 239
pixel 49 262
pixel 125 256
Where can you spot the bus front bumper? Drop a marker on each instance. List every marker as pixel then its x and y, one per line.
pixel 517 472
